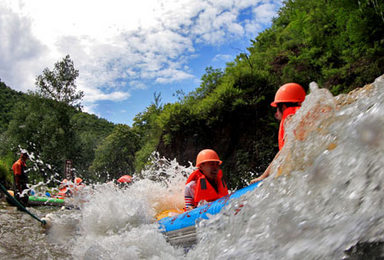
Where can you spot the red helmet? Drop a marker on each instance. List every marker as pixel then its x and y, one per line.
pixel 289 93
pixel 78 180
pixel 207 155
pixel 125 179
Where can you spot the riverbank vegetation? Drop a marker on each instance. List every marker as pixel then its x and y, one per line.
pixel 339 44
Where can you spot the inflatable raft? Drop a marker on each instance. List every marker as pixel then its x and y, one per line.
pixel 180 229
pixel 40 200
pixel 47 201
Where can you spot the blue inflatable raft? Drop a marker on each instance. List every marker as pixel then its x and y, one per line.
pixel 180 229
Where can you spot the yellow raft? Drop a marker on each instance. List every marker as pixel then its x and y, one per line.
pixel 169 213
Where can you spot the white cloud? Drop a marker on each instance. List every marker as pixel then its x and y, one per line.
pixel 118 44
pixel 91 109
pixel 172 75
pixel 264 12
pixel 19 50
pixel 135 84
pixel 96 95
pixel 223 57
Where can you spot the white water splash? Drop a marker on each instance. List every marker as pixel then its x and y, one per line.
pixel 329 195
pixel 119 223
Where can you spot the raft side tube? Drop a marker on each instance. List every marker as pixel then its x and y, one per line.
pixel 191 218
pixel 45 201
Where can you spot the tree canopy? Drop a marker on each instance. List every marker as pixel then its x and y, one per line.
pixel 59 84
pixel 114 157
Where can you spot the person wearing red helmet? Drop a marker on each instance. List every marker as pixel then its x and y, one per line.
pixel 287 101
pixel 64 189
pixel 124 181
pixel 79 181
pixel 79 184
pixel 206 183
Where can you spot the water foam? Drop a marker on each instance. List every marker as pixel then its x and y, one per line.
pixel 326 190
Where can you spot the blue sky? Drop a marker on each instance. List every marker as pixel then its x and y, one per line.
pixel 126 50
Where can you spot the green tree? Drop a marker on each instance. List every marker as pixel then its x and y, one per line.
pixel 115 156
pixel 8 98
pixel 59 84
pixel 90 131
pixel 42 126
pixel 146 127
pixel 49 124
pixel 209 81
pixel 6 175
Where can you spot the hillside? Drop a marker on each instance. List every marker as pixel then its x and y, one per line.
pixel 338 44
pixel 51 131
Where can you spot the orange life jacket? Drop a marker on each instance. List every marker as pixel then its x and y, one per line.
pixel 19 167
pixel 65 191
pixel 204 190
pixel 287 112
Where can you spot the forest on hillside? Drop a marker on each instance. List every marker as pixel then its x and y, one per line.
pixel 338 44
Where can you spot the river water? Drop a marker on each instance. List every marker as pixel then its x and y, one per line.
pixel 324 200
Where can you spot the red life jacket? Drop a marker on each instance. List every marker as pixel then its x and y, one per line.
pixel 63 192
pixel 19 167
pixel 204 190
pixel 287 112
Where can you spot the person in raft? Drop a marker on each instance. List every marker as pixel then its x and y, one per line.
pixel 21 178
pixel 64 189
pixel 205 184
pixel 67 188
pixel 79 184
pixel 287 101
